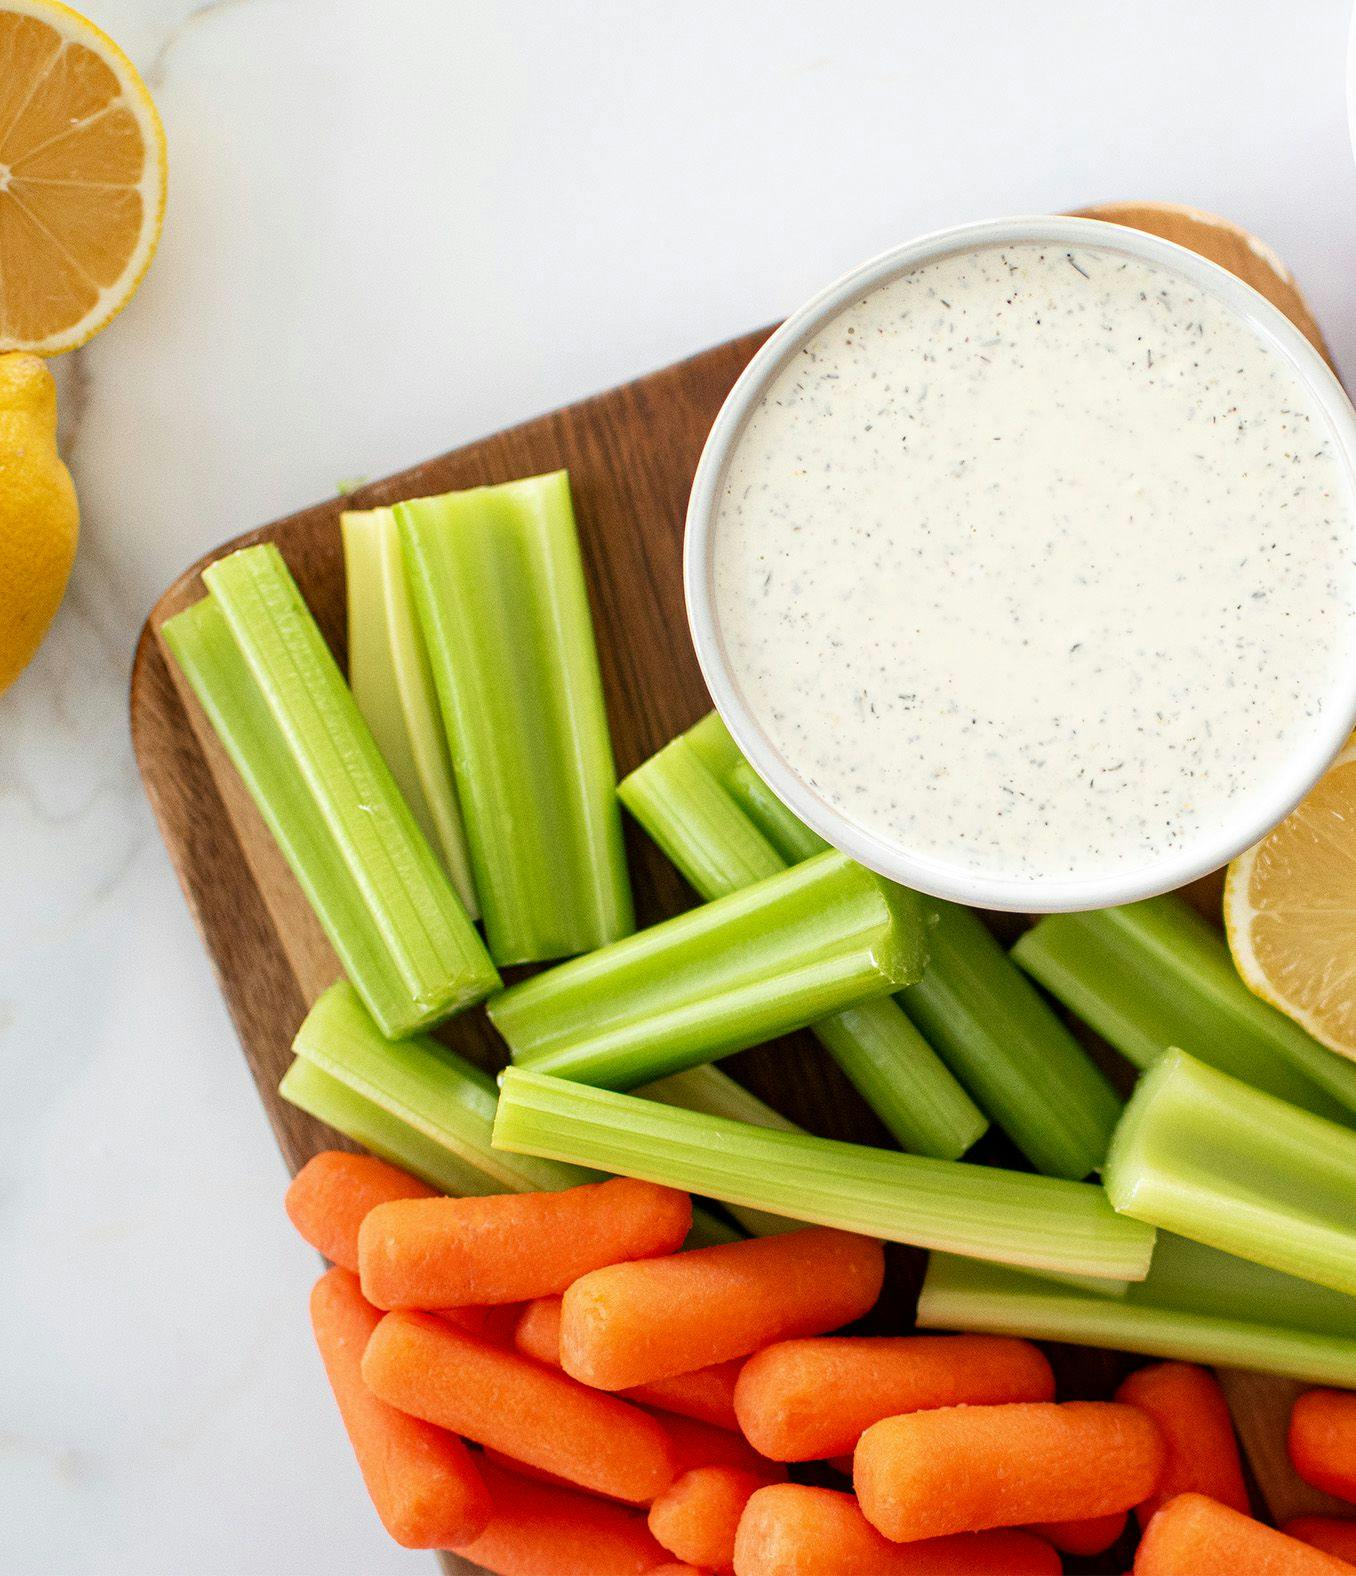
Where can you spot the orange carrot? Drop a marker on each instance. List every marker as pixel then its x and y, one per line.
pixel 537 1332
pixel 966 1468
pixel 697 1516
pixel 505 1463
pixel 792 1530
pixel 810 1399
pixel 495 1324
pixel 1322 1441
pixel 1196 1536
pixel 537 1530
pixel 636 1323
pixel 700 1445
pixel 1329 1533
pixel 328 1198
pixel 431 1369
pixel 445 1252
pixel 1095 1535
pixel 673 1568
pixel 1192 1415
pixel 706 1395
pixel 423 1482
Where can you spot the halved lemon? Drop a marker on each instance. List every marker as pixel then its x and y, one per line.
pixel 1290 910
pixel 82 177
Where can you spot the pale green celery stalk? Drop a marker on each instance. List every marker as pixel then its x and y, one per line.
pixel 967 1294
pixel 392 683
pixel 715 1093
pixel 374 884
pixel 1196 1279
pixel 683 805
pixel 1014 1217
pixel 688 811
pixel 1153 974
pixel 498 585
pixel 427 1086
pixel 313 1090
pixel 767 959
pixel 988 1025
pixel 782 827
pixel 1008 1048
pixel 1212 1158
pixel 715 746
pixel 418 1104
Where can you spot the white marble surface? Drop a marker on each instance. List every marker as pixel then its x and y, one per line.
pixel 391 228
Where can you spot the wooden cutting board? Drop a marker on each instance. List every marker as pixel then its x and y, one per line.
pixel 631 454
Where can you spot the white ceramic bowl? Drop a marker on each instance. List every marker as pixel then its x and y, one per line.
pixel 928 873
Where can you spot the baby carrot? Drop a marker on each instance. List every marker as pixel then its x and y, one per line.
pixel 329 1196
pixel 810 1399
pixel 508 1247
pixel 1188 1405
pixel 1196 1536
pixel 538 1530
pixel 1322 1441
pixel 674 1568
pixel 1094 1535
pixel 700 1445
pixel 965 1468
pixel 707 1394
pixel 431 1369
pixel 636 1323
pixel 423 1482
pixel 697 1516
pixel 1329 1533
pixel 793 1530
pixel 495 1324
pixel 537 1332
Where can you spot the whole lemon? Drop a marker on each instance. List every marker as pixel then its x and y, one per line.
pixel 39 516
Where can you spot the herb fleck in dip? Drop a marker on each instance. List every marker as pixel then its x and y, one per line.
pixel 1033 560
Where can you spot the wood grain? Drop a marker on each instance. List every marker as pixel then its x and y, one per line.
pixel 631 454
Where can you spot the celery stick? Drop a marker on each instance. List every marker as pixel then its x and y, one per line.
pixel 967 1294
pixel 687 810
pixel 902 1079
pixel 1011 1216
pixel 1008 1048
pixel 715 1093
pixel 498 584
pixel 1195 1279
pixel 1086 1283
pixel 1211 1158
pixel 418 1104
pixel 716 747
pixel 389 913
pixel 683 805
pixel 976 1011
pixel 757 963
pixel 424 1084
pixel 782 827
pixel 310 1088
pixel 709 1090
pixel 392 683
pixel 1153 974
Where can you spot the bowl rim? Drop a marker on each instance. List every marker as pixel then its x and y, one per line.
pixel 926 872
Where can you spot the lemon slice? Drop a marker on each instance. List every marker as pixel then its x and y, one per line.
pixel 1290 910
pixel 82 177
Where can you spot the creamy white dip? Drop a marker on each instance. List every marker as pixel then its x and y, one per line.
pixel 1033 560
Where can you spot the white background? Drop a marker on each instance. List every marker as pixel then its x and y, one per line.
pixel 394 227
